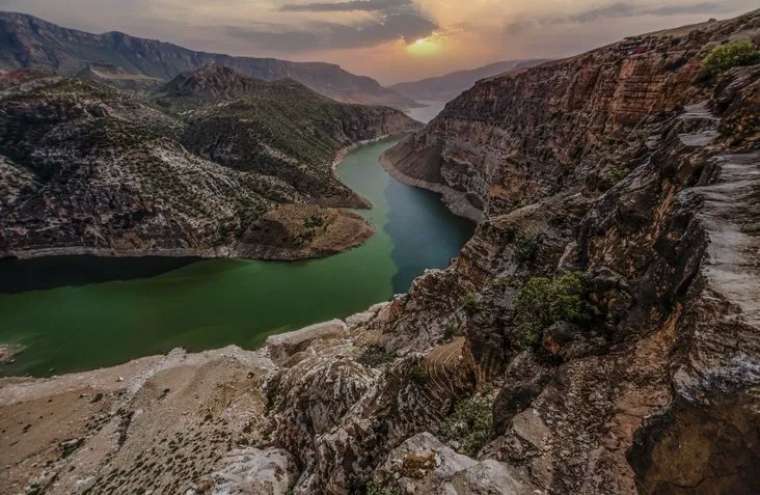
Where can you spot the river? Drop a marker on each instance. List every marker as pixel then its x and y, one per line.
pixel 80 313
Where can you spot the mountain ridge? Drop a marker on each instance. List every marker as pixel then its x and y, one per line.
pixel 27 41
pixel 448 86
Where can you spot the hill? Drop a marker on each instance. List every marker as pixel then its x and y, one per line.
pixel 449 86
pixel 32 43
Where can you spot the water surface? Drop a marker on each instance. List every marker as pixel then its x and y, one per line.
pixel 428 112
pixel 88 312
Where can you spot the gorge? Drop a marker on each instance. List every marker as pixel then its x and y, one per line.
pixel 210 304
pixel 597 334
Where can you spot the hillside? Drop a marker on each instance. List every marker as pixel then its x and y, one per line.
pixel 92 170
pixel 449 86
pixel 27 42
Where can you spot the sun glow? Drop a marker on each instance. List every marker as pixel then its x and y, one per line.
pixel 424 47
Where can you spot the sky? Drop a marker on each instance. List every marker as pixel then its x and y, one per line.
pixel 390 40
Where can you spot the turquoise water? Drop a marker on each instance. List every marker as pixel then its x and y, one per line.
pixel 79 313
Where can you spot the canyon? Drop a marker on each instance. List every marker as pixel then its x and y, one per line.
pixel 598 334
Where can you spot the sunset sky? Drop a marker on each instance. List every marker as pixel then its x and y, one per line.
pixel 391 40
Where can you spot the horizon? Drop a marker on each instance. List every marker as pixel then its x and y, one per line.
pixel 391 41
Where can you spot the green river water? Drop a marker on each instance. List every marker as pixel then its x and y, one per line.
pixel 79 313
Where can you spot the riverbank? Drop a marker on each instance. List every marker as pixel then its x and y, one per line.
pixel 175 422
pixel 151 305
pixel 343 230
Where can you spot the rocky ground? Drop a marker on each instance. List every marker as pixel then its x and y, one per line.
pixel 598 334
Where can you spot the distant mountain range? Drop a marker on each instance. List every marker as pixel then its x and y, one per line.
pixel 27 42
pixel 449 86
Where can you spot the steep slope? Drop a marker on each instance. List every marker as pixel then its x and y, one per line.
pixel 91 170
pixel 597 335
pixel 449 86
pixel 280 129
pixel 29 42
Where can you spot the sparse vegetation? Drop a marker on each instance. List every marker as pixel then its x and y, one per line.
pixel 419 374
pixel 375 355
pixel 373 488
pixel 469 425
pixel 616 174
pixel 314 222
pixel 452 330
pixel 470 304
pixel 544 301
pixel 730 55
pixel 526 249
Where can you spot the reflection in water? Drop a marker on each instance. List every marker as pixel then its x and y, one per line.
pixel 72 271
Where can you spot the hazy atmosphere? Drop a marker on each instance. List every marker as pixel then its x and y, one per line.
pixel 391 40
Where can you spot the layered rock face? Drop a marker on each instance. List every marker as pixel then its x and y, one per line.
pixel 88 169
pixel 604 310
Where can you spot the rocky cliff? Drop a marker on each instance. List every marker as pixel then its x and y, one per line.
pixel 88 169
pixel 27 42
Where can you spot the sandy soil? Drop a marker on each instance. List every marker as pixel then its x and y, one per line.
pixel 163 423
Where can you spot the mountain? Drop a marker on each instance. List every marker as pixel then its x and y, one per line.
pixel 449 86
pixel 86 168
pixel 599 334
pixel 29 42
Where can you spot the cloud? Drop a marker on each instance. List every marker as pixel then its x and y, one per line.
pixel 623 9
pixel 617 11
pixel 375 22
pixel 326 35
pixel 351 6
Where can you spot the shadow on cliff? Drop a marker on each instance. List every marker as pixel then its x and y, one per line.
pixel 424 232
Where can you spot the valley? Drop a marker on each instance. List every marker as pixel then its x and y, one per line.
pixel 546 286
pixel 153 305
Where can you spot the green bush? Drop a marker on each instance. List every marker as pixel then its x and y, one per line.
pixel 373 488
pixel 470 304
pixel 525 249
pixel 470 424
pixel 616 174
pixel 419 375
pixel 544 301
pixel 730 55
pixel 375 355
pixel 452 330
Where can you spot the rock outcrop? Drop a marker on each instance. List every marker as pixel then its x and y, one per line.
pixel 248 173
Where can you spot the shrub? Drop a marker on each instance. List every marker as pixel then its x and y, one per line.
pixel 730 55
pixel 314 221
pixel 375 355
pixel 452 330
pixel 616 174
pixel 526 249
pixel 373 488
pixel 419 375
pixel 470 304
pixel 544 301
pixel 470 425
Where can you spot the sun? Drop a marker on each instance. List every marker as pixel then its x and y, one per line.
pixel 424 47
